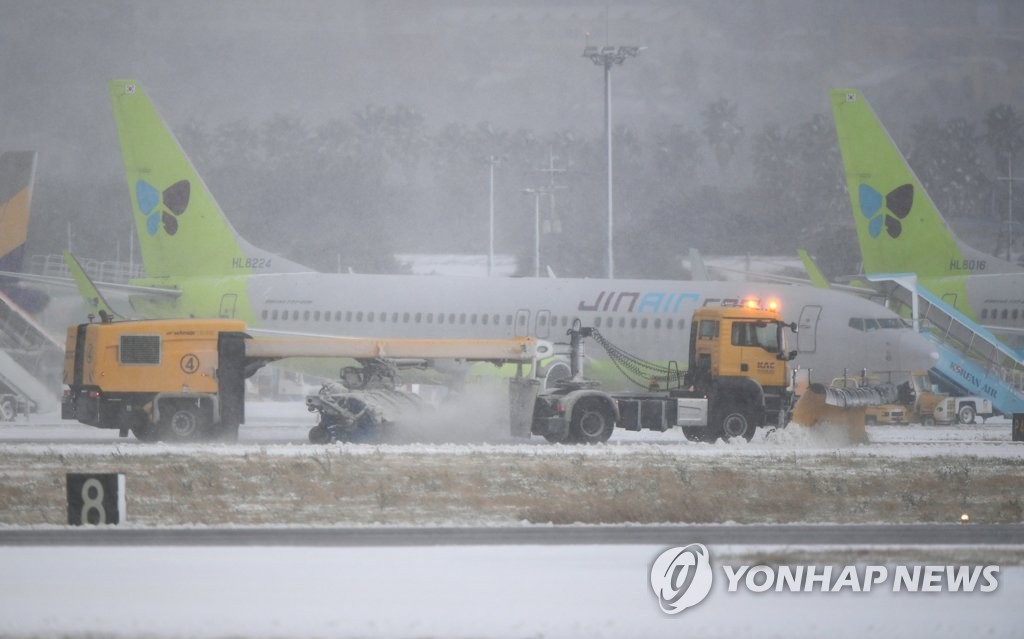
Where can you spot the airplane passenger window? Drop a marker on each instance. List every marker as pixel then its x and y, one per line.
pixel 265 314
pixel 440 318
pixel 1015 315
pixel 1003 315
pixel 462 318
pixel 622 322
pixel 668 323
pixel 359 316
pixel 383 316
pixel 632 323
pixel 419 317
pixel 316 316
pixel 657 323
pixel 305 316
pixel 348 316
pixel 597 323
pixel 508 320
pixel 274 314
pixel 405 318
pixel 430 318
pixel 451 318
pixel 483 319
pixel 337 316
pixel 984 313
pixel 643 323
pixel 681 325
pixel 472 318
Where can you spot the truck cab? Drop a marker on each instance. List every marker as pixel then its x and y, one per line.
pixel 738 359
pixel 745 341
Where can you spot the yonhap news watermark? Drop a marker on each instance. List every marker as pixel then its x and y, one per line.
pixel 682 577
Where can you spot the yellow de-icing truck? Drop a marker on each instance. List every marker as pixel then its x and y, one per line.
pixel 184 379
pixel 157 379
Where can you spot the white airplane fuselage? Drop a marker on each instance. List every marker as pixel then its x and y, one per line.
pixel 649 318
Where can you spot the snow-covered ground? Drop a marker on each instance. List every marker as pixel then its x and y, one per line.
pixel 269 422
pixel 473 591
pixel 476 591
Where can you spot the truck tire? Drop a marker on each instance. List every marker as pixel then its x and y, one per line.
pixel 966 414
pixel 7 410
pixel 182 423
pixel 736 422
pixel 592 422
pixel 318 435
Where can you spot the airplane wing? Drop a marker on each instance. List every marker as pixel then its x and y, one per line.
pixel 171 293
pixel 92 296
pixel 865 291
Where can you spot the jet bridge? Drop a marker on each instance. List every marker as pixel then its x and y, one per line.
pixel 970 357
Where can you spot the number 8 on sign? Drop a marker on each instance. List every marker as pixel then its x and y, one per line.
pixel 95 499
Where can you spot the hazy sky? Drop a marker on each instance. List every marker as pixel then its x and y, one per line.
pixel 517 64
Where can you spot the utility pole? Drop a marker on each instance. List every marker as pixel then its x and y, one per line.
pixel 1009 213
pixel 606 57
pixel 553 225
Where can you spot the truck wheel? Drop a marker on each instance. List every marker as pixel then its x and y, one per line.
pixel 737 423
pixel 592 423
pixel 318 435
pixel 7 410
pixel 966 414
pixel 181 424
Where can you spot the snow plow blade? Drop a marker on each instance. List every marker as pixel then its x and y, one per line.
pixel 841 407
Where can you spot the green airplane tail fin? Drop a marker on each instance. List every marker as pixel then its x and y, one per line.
pixel 181 228
pixel 898 226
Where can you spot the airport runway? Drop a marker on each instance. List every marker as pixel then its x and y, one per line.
pixel 711 534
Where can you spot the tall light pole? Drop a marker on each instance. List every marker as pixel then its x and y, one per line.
pixel 606 57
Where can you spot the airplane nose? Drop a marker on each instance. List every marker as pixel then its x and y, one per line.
pixel 916 352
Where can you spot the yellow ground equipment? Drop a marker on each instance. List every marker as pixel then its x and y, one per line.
pixel 928 406
pixel 892 413
pixel 184 379
pixel 736 381
pixel 844 408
